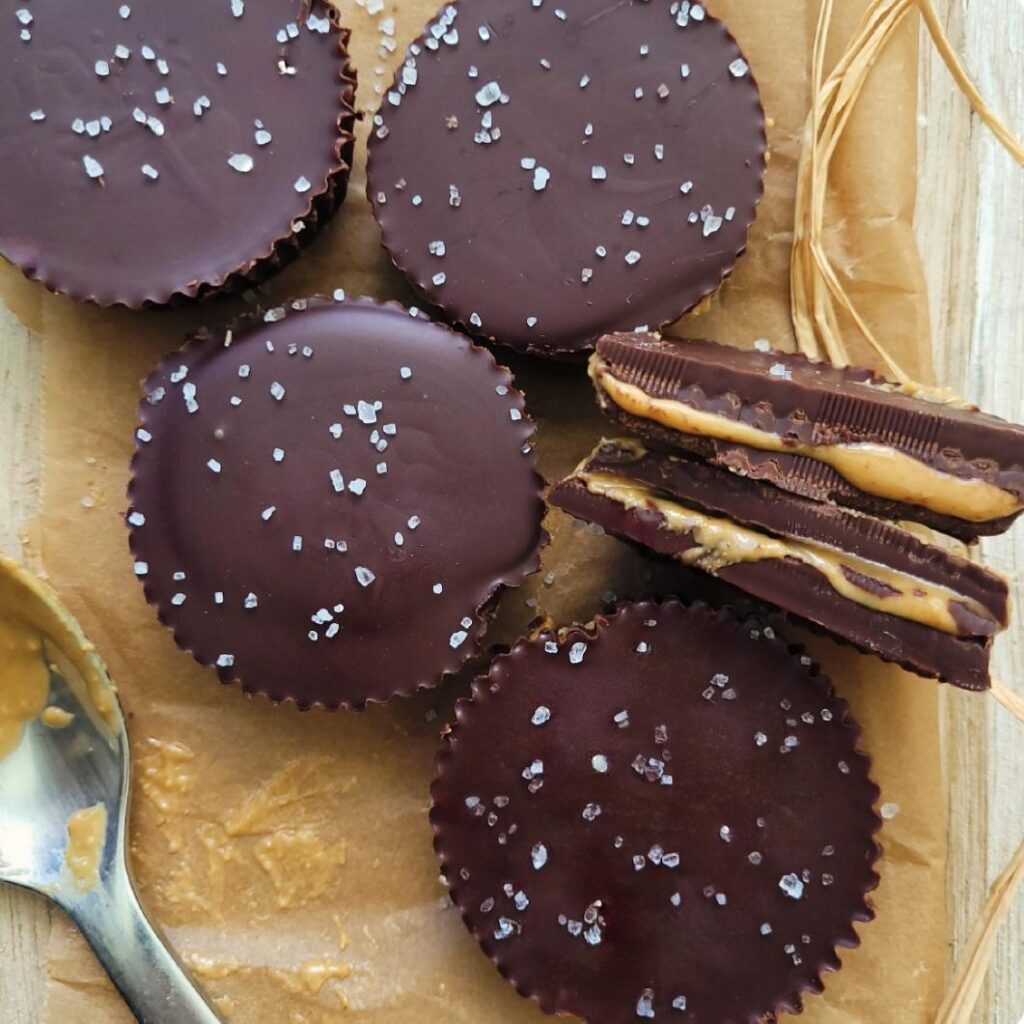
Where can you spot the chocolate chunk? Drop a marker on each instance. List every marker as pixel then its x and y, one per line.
pixel 669 813
pixel 832 434
pixel 544 175
pixel 160 151
pixel 322 503
pixel 681 508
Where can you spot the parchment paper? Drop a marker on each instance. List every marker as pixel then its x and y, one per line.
pixel 289 855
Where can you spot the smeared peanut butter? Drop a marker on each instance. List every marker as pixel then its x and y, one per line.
pixel 300 863
pixel 872 468
pixel 87 833
pixel 306 978
pixel 165 774
pixel 299 781
pixel 721 542
pixel 54 717
pixel 29 614
pixel 24 682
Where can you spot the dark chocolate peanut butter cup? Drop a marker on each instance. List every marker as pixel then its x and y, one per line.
pixel 322 503
pixel 864 581
pixel 547 172
pixel 835 434
pixel 667 817
pixel 155 152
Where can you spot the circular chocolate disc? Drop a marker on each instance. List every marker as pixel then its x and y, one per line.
pixel 546 174
pixel 668 818
pixel 153 150
pixel 322 504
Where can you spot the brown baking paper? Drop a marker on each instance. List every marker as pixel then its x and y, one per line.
pixel 288 855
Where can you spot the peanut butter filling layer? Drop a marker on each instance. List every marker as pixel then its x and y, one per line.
pixel 721 542
pixel 875 469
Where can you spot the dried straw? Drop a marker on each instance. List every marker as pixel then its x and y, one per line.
pixel 963 994
pixel 816 292
pixel 818 297
pixel 1010 700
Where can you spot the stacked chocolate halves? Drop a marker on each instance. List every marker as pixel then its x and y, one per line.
pixel 785 478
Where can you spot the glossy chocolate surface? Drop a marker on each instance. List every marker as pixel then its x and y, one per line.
pixel 665 819
pixel 546 173
pixel 156 150
pixel 321 508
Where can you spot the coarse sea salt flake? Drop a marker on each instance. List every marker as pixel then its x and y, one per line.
pixel 792 886
pixel 241 162
pixel 92 167
pixel 488 94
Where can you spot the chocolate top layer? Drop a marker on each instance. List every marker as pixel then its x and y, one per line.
pixel 546 175
pixel 667 818
pixel 820 404
pixel 155 149
pixel 321 504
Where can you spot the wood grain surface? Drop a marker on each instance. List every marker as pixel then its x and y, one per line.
pixel 970 222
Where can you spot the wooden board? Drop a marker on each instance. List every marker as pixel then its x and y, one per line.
pixel 970 222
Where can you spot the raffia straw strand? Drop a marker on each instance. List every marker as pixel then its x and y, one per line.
pixel 816 291
pixel 963 80
pixel 817 295
pixel 962 997
pixel 815 317
pixel 1010 700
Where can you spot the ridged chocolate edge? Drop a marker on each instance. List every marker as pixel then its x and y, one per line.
pixel 790 1002
pixel 483 611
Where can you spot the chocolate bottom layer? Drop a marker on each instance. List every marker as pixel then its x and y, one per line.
pixel 798 589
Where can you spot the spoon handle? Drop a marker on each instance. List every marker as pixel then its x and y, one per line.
pixel 153 982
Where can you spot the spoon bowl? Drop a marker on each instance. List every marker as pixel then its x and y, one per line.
pixel 64 774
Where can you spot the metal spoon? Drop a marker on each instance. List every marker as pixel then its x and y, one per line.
pixel 64 798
